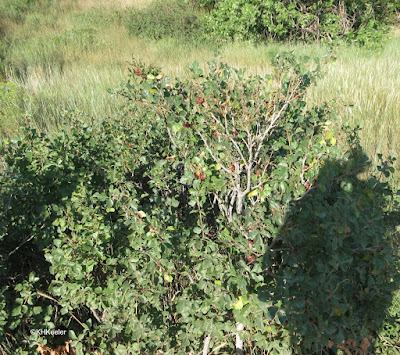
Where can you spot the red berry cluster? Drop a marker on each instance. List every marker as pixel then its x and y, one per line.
pixel 199 100
pixel 199 175
pixel 186 125
pixel 251 259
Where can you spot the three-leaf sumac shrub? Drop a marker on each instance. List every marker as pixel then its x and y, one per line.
pixel 362 21
pixel 215 207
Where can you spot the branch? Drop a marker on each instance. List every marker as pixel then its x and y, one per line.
pixel 274 118
pixel 206 344
pixel 96 315
pixel 212 154
pixel 239 151
pixel 239 341
pixel 218 347
pixel 19 246
pixel 53 299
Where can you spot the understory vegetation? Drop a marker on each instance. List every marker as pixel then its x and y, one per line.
pixel 155 201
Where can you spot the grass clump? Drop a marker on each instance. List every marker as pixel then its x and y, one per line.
pixel 160 19
pixel 11 107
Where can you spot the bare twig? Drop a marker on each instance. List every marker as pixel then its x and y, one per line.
pixel 53 299
pixel 218 347
pixel 19 246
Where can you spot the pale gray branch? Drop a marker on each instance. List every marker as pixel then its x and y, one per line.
pixel 206 344
pixel 239 341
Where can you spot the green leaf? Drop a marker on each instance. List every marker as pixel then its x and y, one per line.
pixel 72 335
pixel 176 127
pixel 240 303
pixel 197 230
pixel 16 311
pixel 37 310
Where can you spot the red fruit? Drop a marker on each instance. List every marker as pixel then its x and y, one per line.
pixel 251 242
pixel 215 134
pixel 137 71
pixel 199 100
pixel 257 172
pixel 188 125
pixel 250 258
pixel 305 167
pixel 184 125
pixel 273 211
pixel 307 186
pixel 236 133
pixel 201 176
pixel 233 167
pixel 251 228
pixel 130 146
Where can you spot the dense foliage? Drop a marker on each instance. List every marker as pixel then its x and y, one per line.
pixel 362 20
pixel 215 206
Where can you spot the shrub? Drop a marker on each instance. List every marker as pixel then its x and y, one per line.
pixel 14 9
pixel 213 207
pixel 17 10
pixel 362 21
pixel 161 19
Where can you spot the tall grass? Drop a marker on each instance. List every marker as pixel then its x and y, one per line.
pixel 370 83
pixel 66 55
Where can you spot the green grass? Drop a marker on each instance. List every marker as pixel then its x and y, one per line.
pixel 66 55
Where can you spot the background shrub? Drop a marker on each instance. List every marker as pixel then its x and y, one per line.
pixel 362 21
pixel 183 218
pixel 161 19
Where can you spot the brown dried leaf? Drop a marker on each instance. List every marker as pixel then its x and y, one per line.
pixel 365 344
pixel 141 214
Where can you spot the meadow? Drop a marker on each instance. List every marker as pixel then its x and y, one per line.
pixel 68 55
